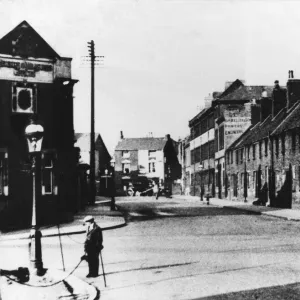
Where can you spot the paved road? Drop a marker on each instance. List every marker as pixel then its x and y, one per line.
pixel 174 249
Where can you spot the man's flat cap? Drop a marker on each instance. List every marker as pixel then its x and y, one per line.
pixel 88 219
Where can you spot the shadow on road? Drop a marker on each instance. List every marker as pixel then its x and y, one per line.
pixel 288 291
pixel 148 211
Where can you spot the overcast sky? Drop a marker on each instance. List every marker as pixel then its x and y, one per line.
pixel 162 57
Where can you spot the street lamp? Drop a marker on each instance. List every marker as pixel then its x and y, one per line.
pixel 113 201
pixel 34 134
pixel 201 194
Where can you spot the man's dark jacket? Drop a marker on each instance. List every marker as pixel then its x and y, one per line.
pixel 94 240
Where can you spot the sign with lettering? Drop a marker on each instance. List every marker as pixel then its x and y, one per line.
pixel 30 70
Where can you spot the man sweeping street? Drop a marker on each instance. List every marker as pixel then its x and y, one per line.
pixel 92 245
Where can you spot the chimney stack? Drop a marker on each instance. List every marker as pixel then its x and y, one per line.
pixel 278 98
pixel 293 90
pixel 121 135
pixel 265 106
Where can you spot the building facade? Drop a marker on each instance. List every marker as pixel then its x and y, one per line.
pixel 225 117
pixel 263 163
pixel 153 158
pixel 202 136
pixel 184 154
pixel 35 82
pixel 236 109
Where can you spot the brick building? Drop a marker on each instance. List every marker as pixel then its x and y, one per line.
pixel 153 158
pixel 225 117
pixel 35 81
pixel 264 162
pixel 237 108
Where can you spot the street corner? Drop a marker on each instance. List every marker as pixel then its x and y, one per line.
pixel 52 285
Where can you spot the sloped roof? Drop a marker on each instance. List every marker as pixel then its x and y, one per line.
pixel 199 115
pixel 259 131
pixel 291 121
pixel 247 93
pixel 233 86
pixel 149 143
pixel 23 40
pixel 83 140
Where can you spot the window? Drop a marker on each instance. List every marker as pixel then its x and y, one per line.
pixel 151 154
pixel 260 149
pixel 24 98
pixel 242 156
pixel 211 149
pixel 283 145
pixel 126 168
pixel 237 157
pixel 151 167
pixel 221 137
pixel 204 126
pixel 293 140
pixel 125 154
pixel 196 130
pixel 266 147
pixel 248 152
pixel 192 156
pixel 216 140
pixel 48 180
pixel 231 154
pixel 254 151
pixel 3 173
pixel 197 154
pixel 254 180
pixel 276 146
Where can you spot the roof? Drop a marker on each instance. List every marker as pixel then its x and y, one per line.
pixel 248 92
pixel 292 121
pixel 23 40
pixel 259 131
pixel 149 143
pixel 83 140
pixel 202 113
pixel 233 86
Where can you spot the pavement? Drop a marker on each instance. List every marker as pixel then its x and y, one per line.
pixel 101 212
pixel 56 284
pixel 287 214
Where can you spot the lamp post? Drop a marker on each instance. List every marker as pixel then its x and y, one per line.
pixel 201 192
pixel 34 134
pixel 113 202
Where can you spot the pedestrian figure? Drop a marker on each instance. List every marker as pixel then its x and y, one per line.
pixel 155 189
pixel 92 245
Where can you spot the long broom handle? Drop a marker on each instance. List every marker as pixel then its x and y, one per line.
pixel 103 269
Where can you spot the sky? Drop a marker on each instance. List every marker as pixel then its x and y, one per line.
pixel 161 57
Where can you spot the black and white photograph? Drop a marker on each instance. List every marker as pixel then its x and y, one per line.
pixel 149 150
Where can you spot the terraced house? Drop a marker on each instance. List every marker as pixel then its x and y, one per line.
pixel 264 162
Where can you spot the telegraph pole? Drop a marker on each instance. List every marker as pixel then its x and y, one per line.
pixel 91 46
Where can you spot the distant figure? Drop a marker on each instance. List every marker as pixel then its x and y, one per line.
pixel 92 246
pixel 130 191
pixel 155 190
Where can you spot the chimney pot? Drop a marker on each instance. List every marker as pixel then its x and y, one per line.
pixel 121 135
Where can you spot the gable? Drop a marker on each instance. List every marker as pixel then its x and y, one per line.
pixel 24 41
